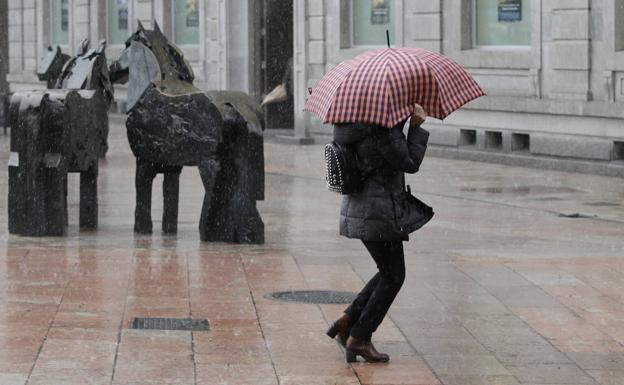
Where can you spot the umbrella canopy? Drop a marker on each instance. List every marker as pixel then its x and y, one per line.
pixel 382 86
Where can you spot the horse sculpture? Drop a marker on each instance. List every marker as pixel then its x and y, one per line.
pixel 172 124
pixel 53 132
pixel 81 72
pixel 51 66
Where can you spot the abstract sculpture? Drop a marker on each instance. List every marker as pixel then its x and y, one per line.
pixel 54 132
pixel 172 124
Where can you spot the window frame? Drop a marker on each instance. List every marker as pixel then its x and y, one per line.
pixel 173 25
pixel 107 23
pixel 346 47
pixel 616 48
pixel 70 31
pixel 461 43
pixel 194 53
pixel 501 47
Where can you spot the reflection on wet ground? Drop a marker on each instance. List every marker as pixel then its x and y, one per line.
pixel 499 289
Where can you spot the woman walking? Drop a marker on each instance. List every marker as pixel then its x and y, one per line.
pixel 382 215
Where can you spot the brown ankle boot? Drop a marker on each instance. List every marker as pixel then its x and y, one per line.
pixel 365 349
pixel 341 328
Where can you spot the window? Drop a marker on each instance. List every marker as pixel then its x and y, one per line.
pixel 619 25
pixel 60 21
pixel 118 21
pixel 503 22
pixel 186 21
pixel 371 19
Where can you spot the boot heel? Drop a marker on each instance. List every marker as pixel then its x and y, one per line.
pixel 351 356
pixel 332 331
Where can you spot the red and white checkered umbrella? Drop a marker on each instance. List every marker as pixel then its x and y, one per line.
pixel 382 86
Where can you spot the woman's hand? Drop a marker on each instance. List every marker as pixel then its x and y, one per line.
pixel 418 116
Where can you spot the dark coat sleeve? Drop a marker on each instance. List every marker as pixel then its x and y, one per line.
pixel 405 155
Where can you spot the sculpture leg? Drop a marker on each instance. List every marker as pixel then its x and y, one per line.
pixel 145 174
pixel 18 171
pixel 244 224
pixel 17 199
pixel 88 198
pixel 208 170
pixel 56 201
pixel 171 192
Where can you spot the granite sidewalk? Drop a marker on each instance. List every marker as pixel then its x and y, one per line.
pixel 503 286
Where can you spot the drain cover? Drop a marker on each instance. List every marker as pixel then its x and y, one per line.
pixel 314 296
pixel 170 324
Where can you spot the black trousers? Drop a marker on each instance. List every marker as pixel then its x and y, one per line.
pixel 372 303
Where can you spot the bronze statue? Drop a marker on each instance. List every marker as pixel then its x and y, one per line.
pixel 53 132
pixel 172 124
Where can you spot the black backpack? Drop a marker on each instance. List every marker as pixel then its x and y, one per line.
pixel 342 173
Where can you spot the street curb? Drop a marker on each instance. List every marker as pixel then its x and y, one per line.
pixel 612 169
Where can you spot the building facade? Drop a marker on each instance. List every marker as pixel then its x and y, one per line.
pixel 4 62
pixel 216 36
pixel 553 70
pixel 224 41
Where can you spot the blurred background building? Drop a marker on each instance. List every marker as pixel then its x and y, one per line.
pixel 4 61
pixel 553 69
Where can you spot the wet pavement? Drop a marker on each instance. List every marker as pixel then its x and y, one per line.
pixel 519 279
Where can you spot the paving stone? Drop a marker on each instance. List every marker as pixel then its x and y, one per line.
pixel 608 377
pixel 499 290
pixel 466 365
pixel 478 380
pixel 550 374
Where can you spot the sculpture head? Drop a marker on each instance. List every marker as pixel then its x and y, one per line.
pixel 51 65
pixel 150 58
pixel 83 47
pixel 87 70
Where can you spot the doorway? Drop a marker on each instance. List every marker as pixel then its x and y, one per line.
pixel 274 59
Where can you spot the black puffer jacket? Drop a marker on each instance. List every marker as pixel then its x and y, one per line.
pixel 381 211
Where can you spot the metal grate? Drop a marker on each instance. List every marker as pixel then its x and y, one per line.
pixel 170 324
pixel 314 296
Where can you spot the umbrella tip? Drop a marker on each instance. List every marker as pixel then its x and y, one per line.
pixel 388 37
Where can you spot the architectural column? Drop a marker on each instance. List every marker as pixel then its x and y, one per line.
pixel 4 64
pixel 29 36
pixel 143 11
pixel 308 61
pixel 16 37
pixel 423 24
pixel 216 44
pixel 569 49
pixel 81 24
